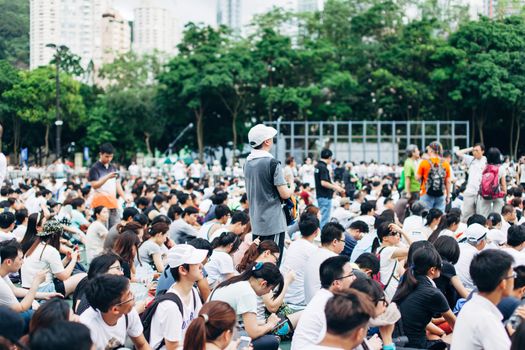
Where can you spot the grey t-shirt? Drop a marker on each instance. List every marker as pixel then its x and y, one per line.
pixel 146 251
pixel 111 238
pixel 266 214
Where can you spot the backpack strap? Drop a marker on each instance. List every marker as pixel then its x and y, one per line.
pixel 393 270
pixel 147 316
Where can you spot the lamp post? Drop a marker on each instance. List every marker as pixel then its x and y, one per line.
pixel 58 121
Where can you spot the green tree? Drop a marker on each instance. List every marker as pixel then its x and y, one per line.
pixel 14 32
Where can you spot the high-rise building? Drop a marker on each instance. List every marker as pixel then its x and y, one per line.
pixel 115 36
pixel 229 13
pixel 154 28
pixel 76 24
pixel 310 5
pixel 502 8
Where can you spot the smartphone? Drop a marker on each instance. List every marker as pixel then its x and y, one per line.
pixel 280 324
pixel 244 343
pixel 118 174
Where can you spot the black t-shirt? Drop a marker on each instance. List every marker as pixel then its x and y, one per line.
pixel 98 170
pixel 444 284
pixel 418 309
pixel 322 174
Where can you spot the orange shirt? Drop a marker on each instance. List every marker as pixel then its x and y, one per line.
pixel 424 170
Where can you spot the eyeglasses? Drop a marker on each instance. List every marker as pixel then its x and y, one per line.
pixel 341 240
pixel 513 275
pixel 127 301
pixel 383 300
pixel 343 277
pixel 394 233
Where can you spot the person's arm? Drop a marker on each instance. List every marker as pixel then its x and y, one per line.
pixel 396 228
pixel 272 304
pixel 450 318
pixel 461 153
pixel 64 275
pixel 503 183
pixel 157 260
pixel 256 330
pixel 120 190
pixel 204 289
pixel 332 186
pixel 21 293
pixel 141 343
pixel 26 303
pixel 286 191
pixel 460 288
pixel 101 181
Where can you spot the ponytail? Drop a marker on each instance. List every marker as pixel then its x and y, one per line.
pixel 445 222
pixel 215 318
pixel 253 252
pixel 266 271
pixel 227 238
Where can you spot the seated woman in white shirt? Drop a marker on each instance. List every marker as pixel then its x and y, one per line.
pixel 44 254
pixel 96 233
pixel 241 293
pixel 448 224
pixel 432 221
pixel 220 265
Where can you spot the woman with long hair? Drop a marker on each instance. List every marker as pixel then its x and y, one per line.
pixel 419 300
pixel 448 224
pixel 126 247
pixel 432 221
pixel 212 329
pixel 97 232
pixel 265 251
pixel 220 266
pixel 44 255
pixel 241 293
pixel 152 251
pixel 35 224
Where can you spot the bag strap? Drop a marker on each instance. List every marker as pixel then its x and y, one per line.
pixel 150 312
pixel 393 270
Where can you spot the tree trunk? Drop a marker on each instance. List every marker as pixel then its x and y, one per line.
pixel 473 123
pixel 147 137
pixel 199 114
pixel 16 139
pixel 46 144
pixel 234 134
pixel 518 134
pixel 512 120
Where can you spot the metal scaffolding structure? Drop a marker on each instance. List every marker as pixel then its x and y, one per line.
pixel 380 141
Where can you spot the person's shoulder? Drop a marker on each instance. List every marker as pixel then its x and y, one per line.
pixel 89 316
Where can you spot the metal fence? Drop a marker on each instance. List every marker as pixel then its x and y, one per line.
pixel 380 141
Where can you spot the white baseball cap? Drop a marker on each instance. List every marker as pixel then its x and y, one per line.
pixel 497 236
pixel 476 232
pixel 260 133
pixel 185 254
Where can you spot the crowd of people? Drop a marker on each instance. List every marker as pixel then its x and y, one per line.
pixel 326 255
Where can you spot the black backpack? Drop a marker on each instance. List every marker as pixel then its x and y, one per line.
pixel 147 316
pixel 435 184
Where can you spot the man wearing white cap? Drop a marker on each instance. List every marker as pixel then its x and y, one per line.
pixel 475 241
pixel 266 187
pixel 168 325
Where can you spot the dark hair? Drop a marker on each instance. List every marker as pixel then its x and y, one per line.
pixel 331 269
pixel 519 281
pixel 369 287
pixel 161 218
pixel 369 261
pixel 493 219
pixel 174 270
pixel 156 228
pixel 493 156
pixel 132 226
pixel 433 214
pixel 289 160
pixel 50 312
pixel 253 252
pixel 77 202
pixel 448 248
pixel 174 210
pixel 480 145
pixel 383 230
pixel 346 313
pixel 30 236
pixel 62 335
pixel 240 216
pixel 359 225
pixel 159 199
pixel 97 211
pixel 221 211
pixel 189 211
pixel 215 317
pixel 141 219
pixel 6 219
pixel 413 248
pixel 446 221
pixel 129 213
pixel 266 271
pixel 142 201
pixel 516 235
pixel 367 207
pixel 489 267
pixel 183 197
pixel 308 225
pixel 11 328
pixel 326 153
pixel 227 238
pixel 101 264
pixel 21 215
pixel 105 291
pixel 201 243
pixel 477 219
pixel 423 260
pixel 9 250
pixel 518 338
pixel 331 231
pixel 106 148
pixel 124 246
pixel 507 209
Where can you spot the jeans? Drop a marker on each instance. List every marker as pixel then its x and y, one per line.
pixel 434 202
pixel 325 205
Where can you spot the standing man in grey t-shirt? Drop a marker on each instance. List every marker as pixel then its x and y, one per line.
pixel 265 189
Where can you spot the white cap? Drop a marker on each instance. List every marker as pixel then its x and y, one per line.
pixel 497 236
pixel 185 254
pixel 475 232
pixel 260 133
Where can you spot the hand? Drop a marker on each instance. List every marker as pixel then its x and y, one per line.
pixel 520 311
pixel 394 228
pixel 112 175
pixel 52 295
pixel 408 195
pixel 273 320
pixel 447 200
pixel 74 255
pixel 290 276
pixel 386 333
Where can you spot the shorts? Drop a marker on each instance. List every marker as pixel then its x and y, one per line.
pixel 57 286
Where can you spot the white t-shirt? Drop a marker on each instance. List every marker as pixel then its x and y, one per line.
pixel 167 322
pixel 519 257
pixel 364 245
pixel 20 232
pixel 413 226
pixel 95 237
pixel 296 259
pixel 368 219
pixel 475 170
pixel 311 328
pixel 102 333
pixel 3 168
pixel 312 280
pixel 43 257
pixel 466 254
pixel 6 236
pixel 218 267
pixel 320 347
pixel 7 297
pixel 240 296
pixel 389 266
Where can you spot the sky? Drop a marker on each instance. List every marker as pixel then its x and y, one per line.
pixel 196 10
